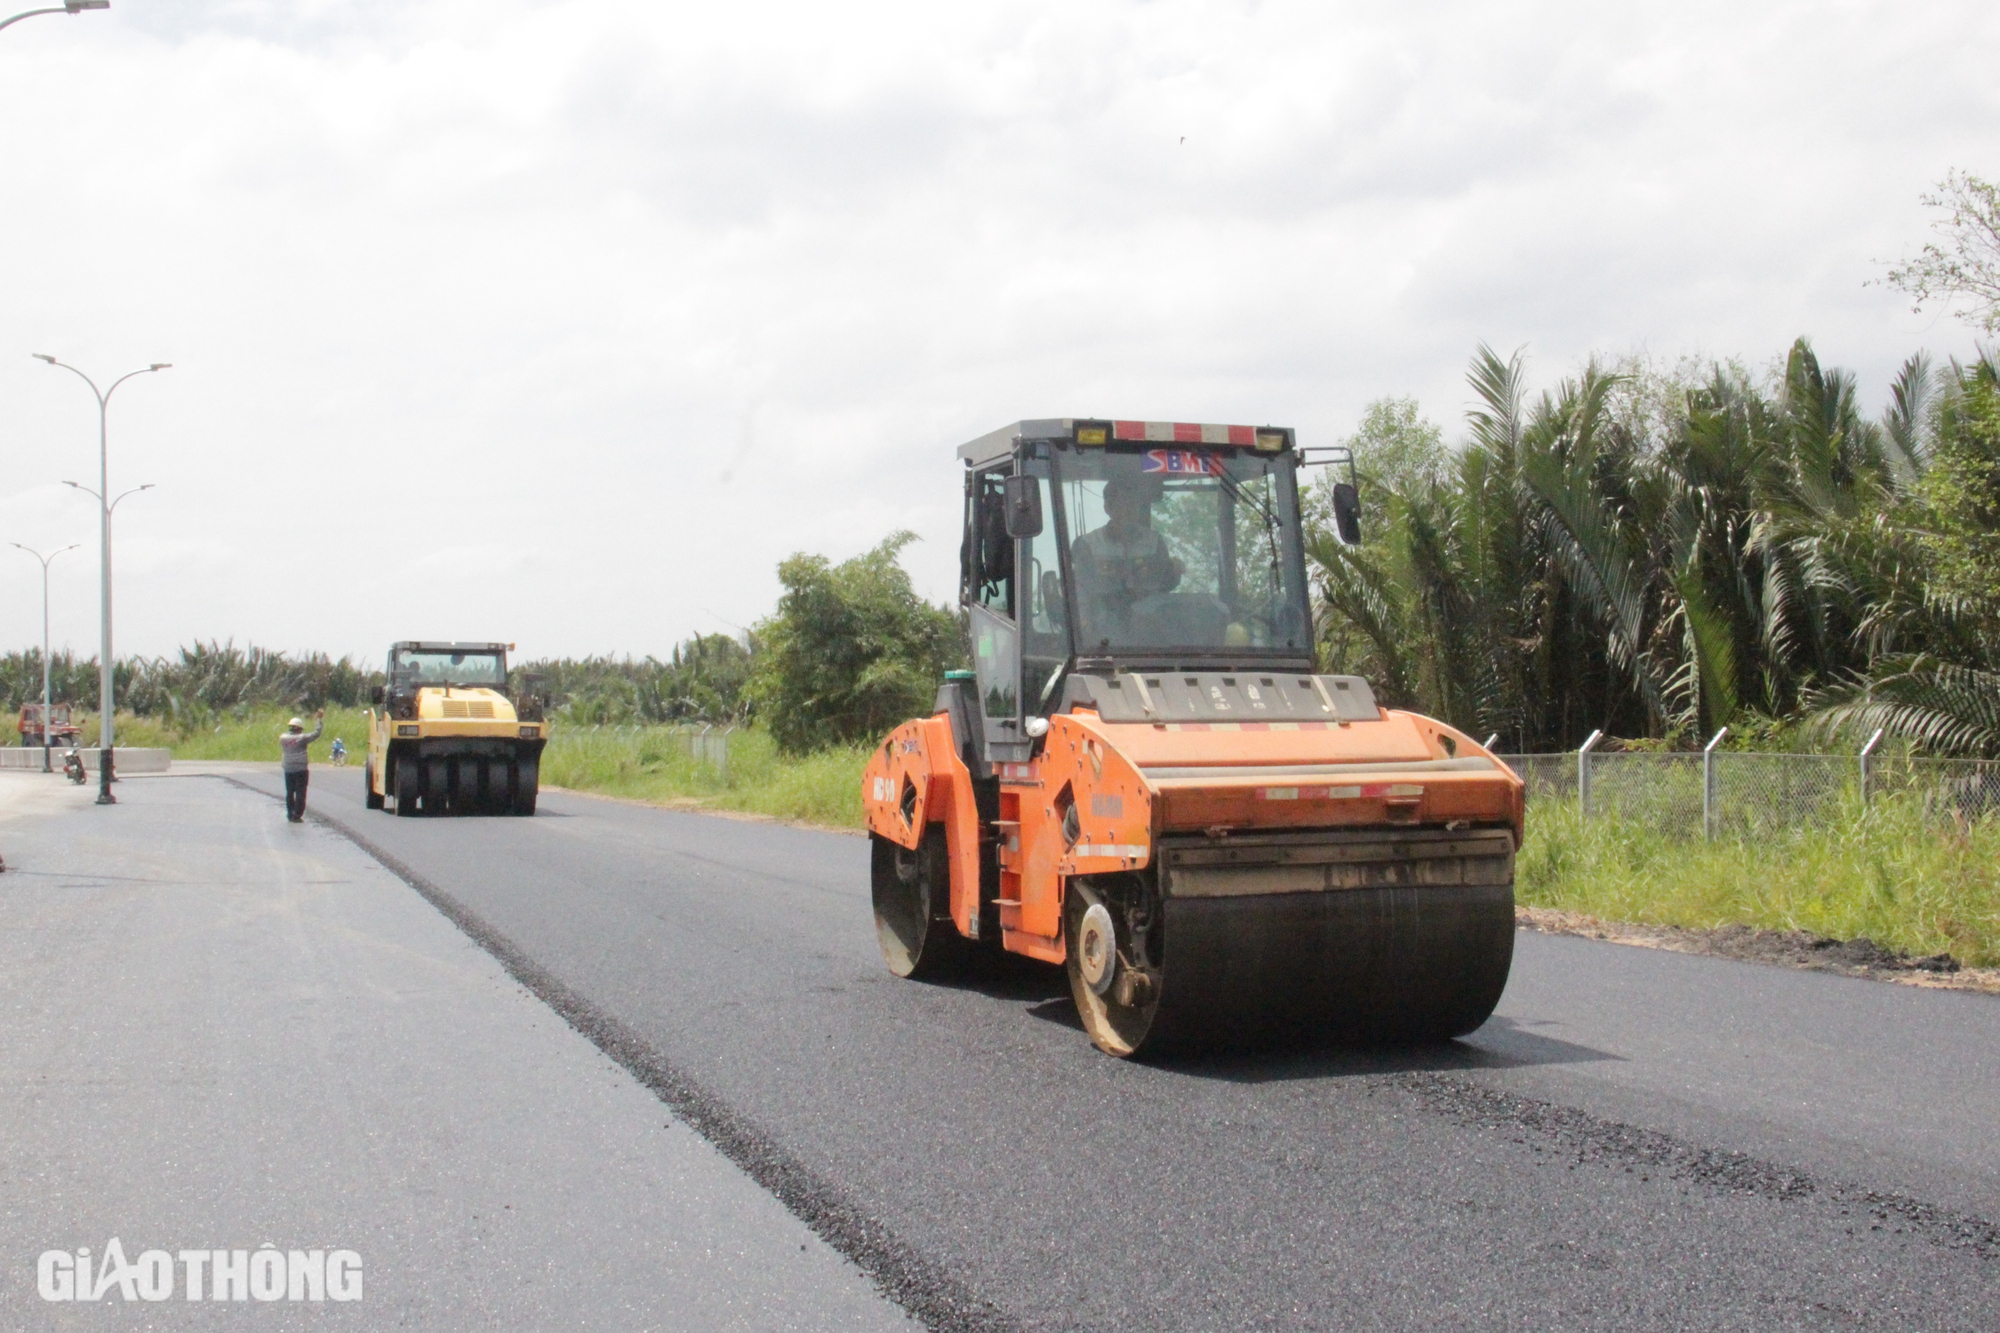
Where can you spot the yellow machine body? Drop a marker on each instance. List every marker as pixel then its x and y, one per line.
pixel 452 748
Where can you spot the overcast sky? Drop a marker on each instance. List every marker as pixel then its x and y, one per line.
pixel 565 322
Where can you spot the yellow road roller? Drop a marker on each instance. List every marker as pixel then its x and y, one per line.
pixel 445 736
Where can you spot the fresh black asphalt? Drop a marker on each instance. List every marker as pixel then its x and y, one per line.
pixel 1638 1140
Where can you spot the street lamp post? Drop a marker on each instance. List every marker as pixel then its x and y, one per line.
pixel 66 7
pixel 46 701
pixel 105 669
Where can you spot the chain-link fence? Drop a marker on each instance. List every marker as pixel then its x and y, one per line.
pixel 706 743
pixel 1729 794
pixel 710 745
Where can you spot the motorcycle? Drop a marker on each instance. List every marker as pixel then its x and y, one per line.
pixel 73 767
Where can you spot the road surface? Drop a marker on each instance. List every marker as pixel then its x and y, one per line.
pixel 1638 1138
pixel 219 1030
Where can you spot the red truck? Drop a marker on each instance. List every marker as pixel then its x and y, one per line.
pixel 60 731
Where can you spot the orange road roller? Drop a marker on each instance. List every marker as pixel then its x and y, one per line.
pixel 1144 780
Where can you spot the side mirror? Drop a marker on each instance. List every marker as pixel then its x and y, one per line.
pixel 1024 507
pixel 376 695
pixel 1347 512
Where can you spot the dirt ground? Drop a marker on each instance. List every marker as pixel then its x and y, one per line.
pixel 1781 948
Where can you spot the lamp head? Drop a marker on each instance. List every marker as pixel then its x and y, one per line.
pixel 78 6
pixel 43 356
pixel 161 365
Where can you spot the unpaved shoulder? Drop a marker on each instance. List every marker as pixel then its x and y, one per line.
pixel 1861 957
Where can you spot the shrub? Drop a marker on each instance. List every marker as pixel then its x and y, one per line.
pixel 851 651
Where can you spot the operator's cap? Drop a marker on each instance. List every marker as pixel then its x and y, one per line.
pixel 296 725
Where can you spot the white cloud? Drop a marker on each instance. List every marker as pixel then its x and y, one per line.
pixel 564 322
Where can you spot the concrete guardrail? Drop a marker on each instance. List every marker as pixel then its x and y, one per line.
pixel 125 759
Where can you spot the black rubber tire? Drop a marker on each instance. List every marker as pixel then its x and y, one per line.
pixel 912 893
pixel 527 784
pixel 409 784
pixel 370 796
pixel 437 786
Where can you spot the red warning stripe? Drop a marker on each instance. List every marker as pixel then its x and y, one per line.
pixel 1182 432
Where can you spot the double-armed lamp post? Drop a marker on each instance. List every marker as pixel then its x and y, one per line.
pixel 104 796
pixel 105 504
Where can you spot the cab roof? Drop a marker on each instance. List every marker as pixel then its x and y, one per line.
pixel 441 646
pixel 998 444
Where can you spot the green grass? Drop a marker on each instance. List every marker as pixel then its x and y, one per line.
pixel 1892 873
pixel 253 736
pixel 639 763
pixel 654 764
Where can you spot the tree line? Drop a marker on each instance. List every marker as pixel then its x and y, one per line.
pixel 202 684
pixel 196 687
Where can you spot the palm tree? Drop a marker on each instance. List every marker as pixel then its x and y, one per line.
pixel 1923 577
pixel 1569 570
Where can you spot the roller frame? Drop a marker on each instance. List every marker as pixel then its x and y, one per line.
pixel 1382 913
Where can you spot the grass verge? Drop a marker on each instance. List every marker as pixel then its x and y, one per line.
pixel 639 763
pixel 252 736
pixel 658 764
pixel 1892 873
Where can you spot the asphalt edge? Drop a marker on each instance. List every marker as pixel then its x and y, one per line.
pixel 1579 1137
pixel 903 1274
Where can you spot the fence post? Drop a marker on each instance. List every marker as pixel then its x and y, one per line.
pixel 1708 786
pixel 1583 774
pixel 1866 751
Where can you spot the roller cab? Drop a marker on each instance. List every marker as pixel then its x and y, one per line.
pixel 1144 781
pixel 446 737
